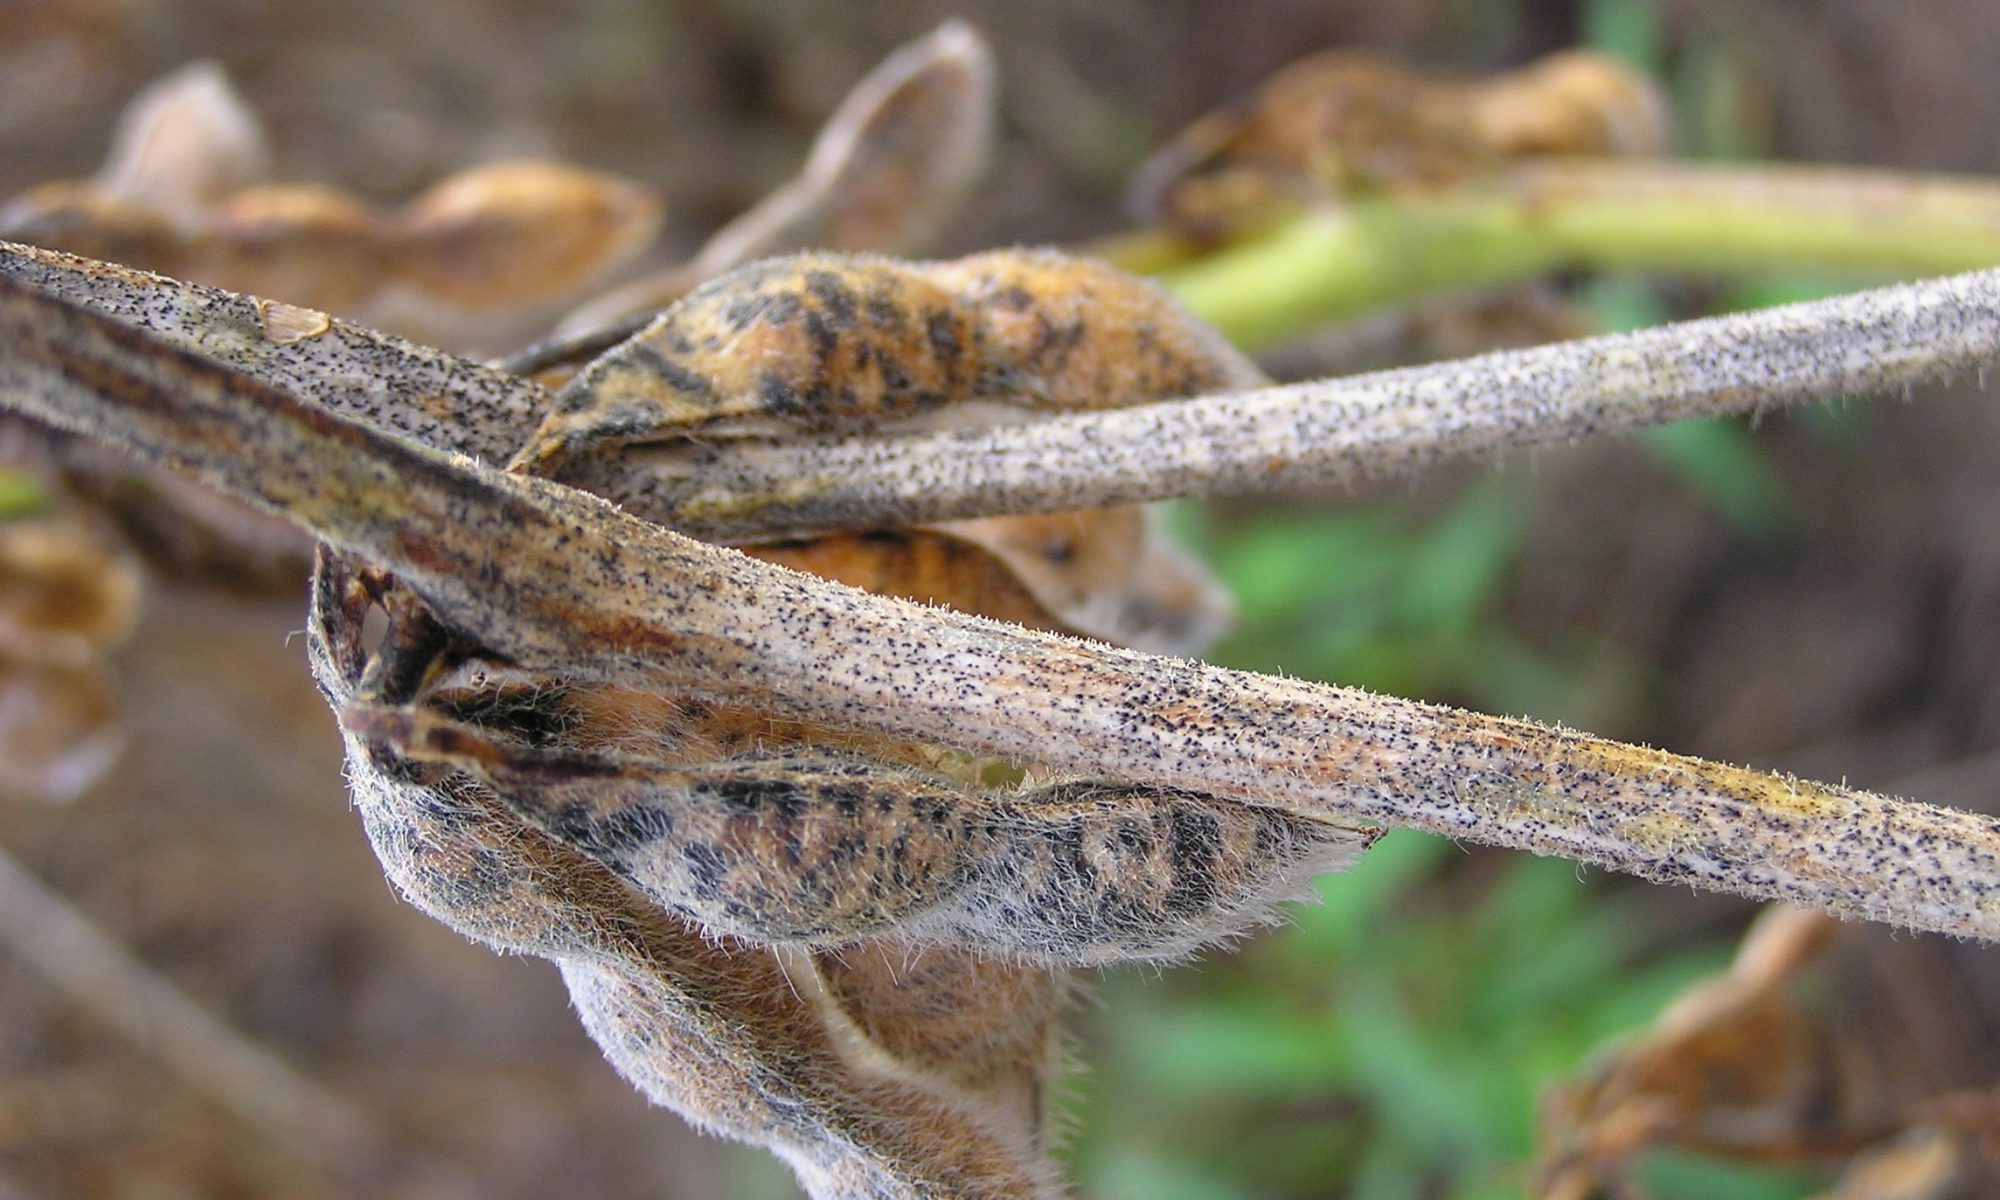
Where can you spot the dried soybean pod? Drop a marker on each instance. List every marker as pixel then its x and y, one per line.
pixel 939 567
pixel 516 233
pixel 1574 103
pixel 725 1034
pixel 80 218
pixel 1341 122
pixel 1106 573
pixel 798 847
pixel 302 243
pixel 808 343
pixel 1088 873
pixel 818 849
pixel 1080 334
pixel 989 1028
pixel 1308 133
pixel 821 343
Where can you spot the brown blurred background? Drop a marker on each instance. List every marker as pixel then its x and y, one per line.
pixel 1862 642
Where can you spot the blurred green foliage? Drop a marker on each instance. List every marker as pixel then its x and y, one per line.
pixel 1389 597
pixel 21 495
pixel 1392 1043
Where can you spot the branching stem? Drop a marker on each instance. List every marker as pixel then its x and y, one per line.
pixel 1326 432
pixel 560 581
pixel 1322 433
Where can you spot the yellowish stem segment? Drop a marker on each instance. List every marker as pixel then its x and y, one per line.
pixel 1383 251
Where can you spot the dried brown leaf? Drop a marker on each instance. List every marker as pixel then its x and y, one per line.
pixel 1821 1044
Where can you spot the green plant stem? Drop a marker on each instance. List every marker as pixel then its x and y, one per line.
pixel 1611 215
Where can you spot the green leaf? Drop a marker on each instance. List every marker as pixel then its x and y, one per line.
pixel 1421 1094
pixel 1680 1175
pixel 1458 567
pixel 1234 1045
pixel 21 495
pixel 1627 29
pixel 1721 463
pixel 1279 566
pixel 1122 1175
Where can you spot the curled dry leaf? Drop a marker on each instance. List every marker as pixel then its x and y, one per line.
pixel 1821 1043
pixel 887 169
pixel 890 164
pixel 1344 122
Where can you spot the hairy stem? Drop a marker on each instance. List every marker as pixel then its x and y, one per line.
pixel 437 398
pixel 560 581
pixel 1612 214
pixel 1325 432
